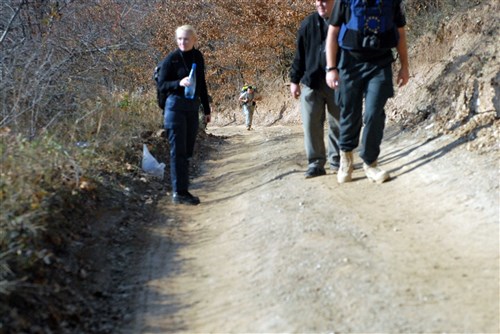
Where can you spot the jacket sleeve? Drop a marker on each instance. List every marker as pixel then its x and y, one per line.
pixel 399 15
pixel 166 83
pixel 202 85
pixel 339 14
pixel 299 62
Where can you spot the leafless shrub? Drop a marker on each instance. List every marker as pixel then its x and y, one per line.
pixel 56 54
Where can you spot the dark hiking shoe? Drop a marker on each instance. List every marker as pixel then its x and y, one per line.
pixel 314 171
pixel 185 198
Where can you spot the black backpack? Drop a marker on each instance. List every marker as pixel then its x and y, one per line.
pixel 160 96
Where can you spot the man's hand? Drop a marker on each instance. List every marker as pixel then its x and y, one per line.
pixel 403 76
pixel 332 79
pixel 295 90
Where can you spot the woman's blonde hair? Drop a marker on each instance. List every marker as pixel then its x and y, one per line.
pixel 188 28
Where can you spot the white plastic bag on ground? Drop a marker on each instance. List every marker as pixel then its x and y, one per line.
pixel 150 165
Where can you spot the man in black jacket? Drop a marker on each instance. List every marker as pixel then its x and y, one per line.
pixel 308 68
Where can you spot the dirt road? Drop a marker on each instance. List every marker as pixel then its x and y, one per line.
pixel 268 251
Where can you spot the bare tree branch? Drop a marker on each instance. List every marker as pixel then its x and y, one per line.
pixel 7 28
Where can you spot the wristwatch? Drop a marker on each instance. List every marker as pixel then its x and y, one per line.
pixel 328 69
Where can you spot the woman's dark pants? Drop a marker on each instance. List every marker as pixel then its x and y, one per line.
pixel 182 128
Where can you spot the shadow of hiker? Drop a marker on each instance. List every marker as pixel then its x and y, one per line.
pixel 276 178
pixel 426 158
pixel 403 152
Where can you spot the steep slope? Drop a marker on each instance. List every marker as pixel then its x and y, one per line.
pixel 454 87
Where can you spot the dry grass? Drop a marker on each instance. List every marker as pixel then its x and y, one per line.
pixel 40 178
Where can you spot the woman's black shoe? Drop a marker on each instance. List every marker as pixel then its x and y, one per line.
pixel 185 198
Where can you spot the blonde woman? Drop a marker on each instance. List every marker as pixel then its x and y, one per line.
pixel 181 117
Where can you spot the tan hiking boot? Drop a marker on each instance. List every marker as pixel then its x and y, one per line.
pixel 375 174
pixel 346 167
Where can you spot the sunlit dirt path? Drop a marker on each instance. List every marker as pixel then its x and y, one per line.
pixel 268 251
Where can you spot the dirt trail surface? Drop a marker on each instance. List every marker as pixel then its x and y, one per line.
pixel 268 251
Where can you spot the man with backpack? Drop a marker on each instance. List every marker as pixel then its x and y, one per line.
pixel 364 32
pixel 307 77
pixel 247 98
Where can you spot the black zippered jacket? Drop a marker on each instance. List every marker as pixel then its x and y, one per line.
pixel 175 67
pixel 306 66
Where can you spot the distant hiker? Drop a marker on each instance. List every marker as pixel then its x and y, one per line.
pixel 181 113
pixel 247 98
pixel 365 31
pixel 308 68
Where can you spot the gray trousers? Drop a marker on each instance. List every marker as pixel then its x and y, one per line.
pixel 248 110
pixel 313 103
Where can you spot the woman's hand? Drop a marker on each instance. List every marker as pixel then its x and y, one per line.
pixel 185 82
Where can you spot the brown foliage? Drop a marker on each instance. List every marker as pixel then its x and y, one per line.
pixel 59 55
pixel 244 41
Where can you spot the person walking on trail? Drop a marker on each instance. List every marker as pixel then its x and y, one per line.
pixel 308 68
pixel 247 99
pixel 181 117
pixel 365 31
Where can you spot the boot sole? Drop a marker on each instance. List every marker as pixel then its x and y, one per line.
pixel 341 179
pixel 378 181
